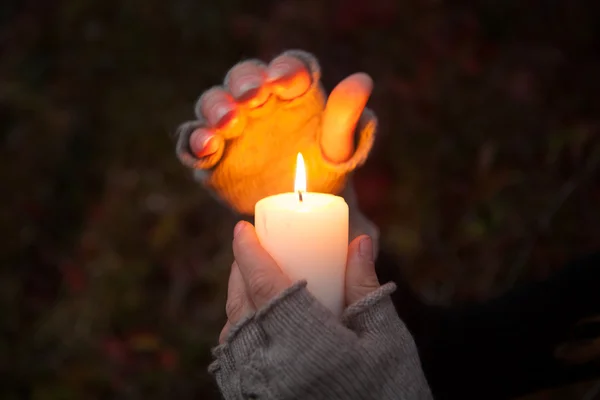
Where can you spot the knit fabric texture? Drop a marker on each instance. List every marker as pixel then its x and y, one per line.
pixel 261 161
pixel 294 348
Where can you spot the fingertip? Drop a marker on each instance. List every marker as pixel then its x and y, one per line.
pixel 244 240
pixel 353 247
pixel 354 89
pixel 244 78
pixel 360 250
pixel 246 82
pixel 344 108
pixel 363 81
pixel 239 227
pixel 216 106
pixel 365 248
pixel 283 66
pixel 203 142
pixel 288 77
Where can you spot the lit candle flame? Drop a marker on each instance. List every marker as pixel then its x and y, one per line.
pixel 300 183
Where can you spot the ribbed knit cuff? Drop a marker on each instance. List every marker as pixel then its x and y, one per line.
pixel 240 351
pixel 238 345
pixel 373 312
pixel 297 315
pixel 294 348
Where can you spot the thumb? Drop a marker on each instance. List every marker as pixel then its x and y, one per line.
pixel 361 278
pixel 261 274
pixel 344 107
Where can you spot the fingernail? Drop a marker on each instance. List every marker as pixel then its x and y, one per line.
pixel 278 71
pixel 220 111
pixel 200 143
pixel 248 87
pixel 238 228
pixel 365 248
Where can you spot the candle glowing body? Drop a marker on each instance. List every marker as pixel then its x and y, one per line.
pixel 307 235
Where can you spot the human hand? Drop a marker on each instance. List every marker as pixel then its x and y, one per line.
pixel 280 342
pixel 244 143
pixel 256 279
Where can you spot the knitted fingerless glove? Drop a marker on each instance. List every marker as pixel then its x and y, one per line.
pixel 294 349
pixel 261 161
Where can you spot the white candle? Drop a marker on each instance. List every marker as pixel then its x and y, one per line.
pixel 307 235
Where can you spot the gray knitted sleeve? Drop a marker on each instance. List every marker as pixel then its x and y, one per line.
pixel 294 349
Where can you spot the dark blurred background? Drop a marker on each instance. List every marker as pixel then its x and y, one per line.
pixel 115 262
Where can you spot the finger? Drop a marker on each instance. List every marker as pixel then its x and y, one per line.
pixel 262 276
pixel 204 142
pixel 246 82
pixel 361 278
pixel 221 112
pixel 344 107
pixel 288 77
pixel 224 332
pixel 216 106
pixel 238 303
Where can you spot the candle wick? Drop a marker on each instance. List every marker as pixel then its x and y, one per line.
pixel 300 195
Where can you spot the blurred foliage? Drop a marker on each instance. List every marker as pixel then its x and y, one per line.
pixel 115 262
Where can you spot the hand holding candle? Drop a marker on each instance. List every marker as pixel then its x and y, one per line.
pixel 305 351
pixel 307 235
pixel 256 279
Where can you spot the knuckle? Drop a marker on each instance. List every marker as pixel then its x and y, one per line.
pixel 371 281
pixel 233 308
pixel 262 287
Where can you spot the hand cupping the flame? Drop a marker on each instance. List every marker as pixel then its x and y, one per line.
pixel 244 143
